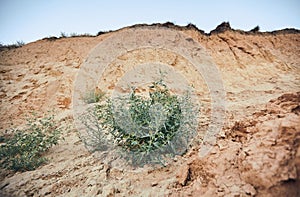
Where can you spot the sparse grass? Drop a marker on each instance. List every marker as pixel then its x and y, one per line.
pixel 71 35
pixel 12 46
pixel 25 149
pixel 81 35
pixel 65 35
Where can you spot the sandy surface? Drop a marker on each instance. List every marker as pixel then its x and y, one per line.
pixel 256 153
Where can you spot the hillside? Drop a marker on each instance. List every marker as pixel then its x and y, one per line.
pixel 256 154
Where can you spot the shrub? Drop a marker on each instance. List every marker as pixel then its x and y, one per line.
pixel 18 44
pixel 63 35
pixel 255 29
pixel 144 128
pixel 24 150
pixel 155 120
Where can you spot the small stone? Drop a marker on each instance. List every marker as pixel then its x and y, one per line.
pixel 183 175
pixel 153 184
pixel 222 145
pixel 222 134
pixel 213 151
pixel 249 189
pixel 220 189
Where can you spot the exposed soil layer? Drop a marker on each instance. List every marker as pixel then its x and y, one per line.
pixel 257 153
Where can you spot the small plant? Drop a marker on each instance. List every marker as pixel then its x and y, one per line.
pixel 143 128
pixel 20 43
pixel 93 96
pixel 74 34
pixel 24 150
pixel 63 35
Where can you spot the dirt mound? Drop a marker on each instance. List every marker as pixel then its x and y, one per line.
pixel 256 154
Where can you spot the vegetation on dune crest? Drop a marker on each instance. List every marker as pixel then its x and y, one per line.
pixel 11 46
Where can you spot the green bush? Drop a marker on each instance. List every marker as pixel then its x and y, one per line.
pixel 24 150
pixel 154 120
pixel 143 127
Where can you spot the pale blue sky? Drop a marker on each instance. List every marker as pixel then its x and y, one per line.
pixel 30 20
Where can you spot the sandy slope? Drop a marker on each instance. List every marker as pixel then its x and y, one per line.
pixel 256 153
